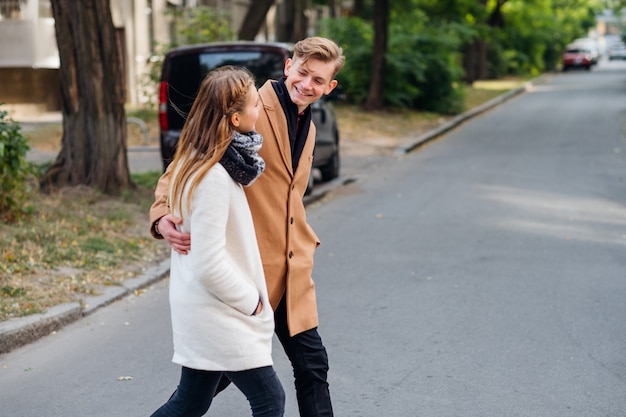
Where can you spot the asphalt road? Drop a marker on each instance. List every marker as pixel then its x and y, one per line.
pixel 482 275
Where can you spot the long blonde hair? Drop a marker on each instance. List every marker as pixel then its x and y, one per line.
pixel 207 131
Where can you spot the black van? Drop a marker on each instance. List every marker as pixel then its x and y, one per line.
pixel 185 67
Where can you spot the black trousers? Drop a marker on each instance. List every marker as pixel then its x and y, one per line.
pixel 310 366
pixel 196 389
pixel 309 360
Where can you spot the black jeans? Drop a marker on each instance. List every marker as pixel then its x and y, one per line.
pixel 310 366
pixel 196 390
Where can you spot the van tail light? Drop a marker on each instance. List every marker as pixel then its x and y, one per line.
pixel 163 106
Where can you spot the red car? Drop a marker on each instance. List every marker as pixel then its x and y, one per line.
pixel 576 56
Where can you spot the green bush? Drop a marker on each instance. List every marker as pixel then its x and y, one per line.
pixel 16 174
pixel 201 24
pixel 421 72
pixel 356 37
pixel 191 25
pixel 430 69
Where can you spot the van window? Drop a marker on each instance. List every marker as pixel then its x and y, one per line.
pixel 263 65
pixel 188 70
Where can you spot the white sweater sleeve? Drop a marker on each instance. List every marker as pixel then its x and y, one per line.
pixel 213 265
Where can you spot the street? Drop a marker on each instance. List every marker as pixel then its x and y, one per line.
pixel 482 275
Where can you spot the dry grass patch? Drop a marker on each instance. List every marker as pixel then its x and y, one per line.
pixel 482 91
pixel 77 242
pixel 356 124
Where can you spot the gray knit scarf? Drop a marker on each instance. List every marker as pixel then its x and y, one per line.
pixel 242 160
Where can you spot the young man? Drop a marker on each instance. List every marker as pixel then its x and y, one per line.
pixel 286 242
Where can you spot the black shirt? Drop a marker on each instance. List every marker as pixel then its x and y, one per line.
pixel 297 123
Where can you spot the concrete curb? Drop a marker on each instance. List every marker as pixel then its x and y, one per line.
pixel 21 331
pixel 451 124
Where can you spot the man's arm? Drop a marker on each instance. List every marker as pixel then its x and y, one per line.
pixel 162 223
pixel 159 207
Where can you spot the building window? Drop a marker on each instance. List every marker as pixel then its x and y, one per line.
pixel 11 9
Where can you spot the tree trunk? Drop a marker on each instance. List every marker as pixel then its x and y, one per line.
pixel 254 19
pixel 470 57
pixel 483 65
pixel 285 16
pixel 475 61
pixel 301 22
pixel 93 146
pixel 375 96
pixel 496 18
pixel 291 21
pixel 475 53
pixel 332 7
pixel 358 7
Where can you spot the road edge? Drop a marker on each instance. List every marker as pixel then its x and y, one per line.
pixel 21 331
pixel 456 121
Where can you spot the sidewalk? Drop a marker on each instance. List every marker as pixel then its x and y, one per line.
pixel 17 332
pixel 140 158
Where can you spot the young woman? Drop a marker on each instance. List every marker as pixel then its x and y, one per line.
pixel 221 317
pixel 286 241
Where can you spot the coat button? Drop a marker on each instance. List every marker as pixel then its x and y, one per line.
pixel 291 220
pixel 290 254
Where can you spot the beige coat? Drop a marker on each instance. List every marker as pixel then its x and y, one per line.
pixel 286 241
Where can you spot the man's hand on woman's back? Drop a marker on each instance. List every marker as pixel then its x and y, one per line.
pixel 180 242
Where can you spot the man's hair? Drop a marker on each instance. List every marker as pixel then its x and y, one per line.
pixel 323 49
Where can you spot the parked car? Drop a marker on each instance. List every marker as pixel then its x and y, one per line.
pixel 577 56
pixel 589 44
pixel 616 50
pixel 185 67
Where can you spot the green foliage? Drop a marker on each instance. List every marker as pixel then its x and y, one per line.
pixel 146 179
pixel 142 113
pixel 191 25
pixel 406 66
pixel 537 31
pixel 427 39
pixel 201 24
pixel 431 73
pixel 356 38
pixel 16 174
pixel 526 38
pixel 421 64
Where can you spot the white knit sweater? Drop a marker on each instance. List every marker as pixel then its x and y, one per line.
pixel 215 288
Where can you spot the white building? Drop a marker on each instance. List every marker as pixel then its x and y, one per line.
pixel 29 58
pixel 28 54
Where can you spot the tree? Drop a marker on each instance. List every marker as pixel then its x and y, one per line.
pixel 291 20
pixel 93 145
pixel 254 19
pixel 475 53
pixel 376 95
